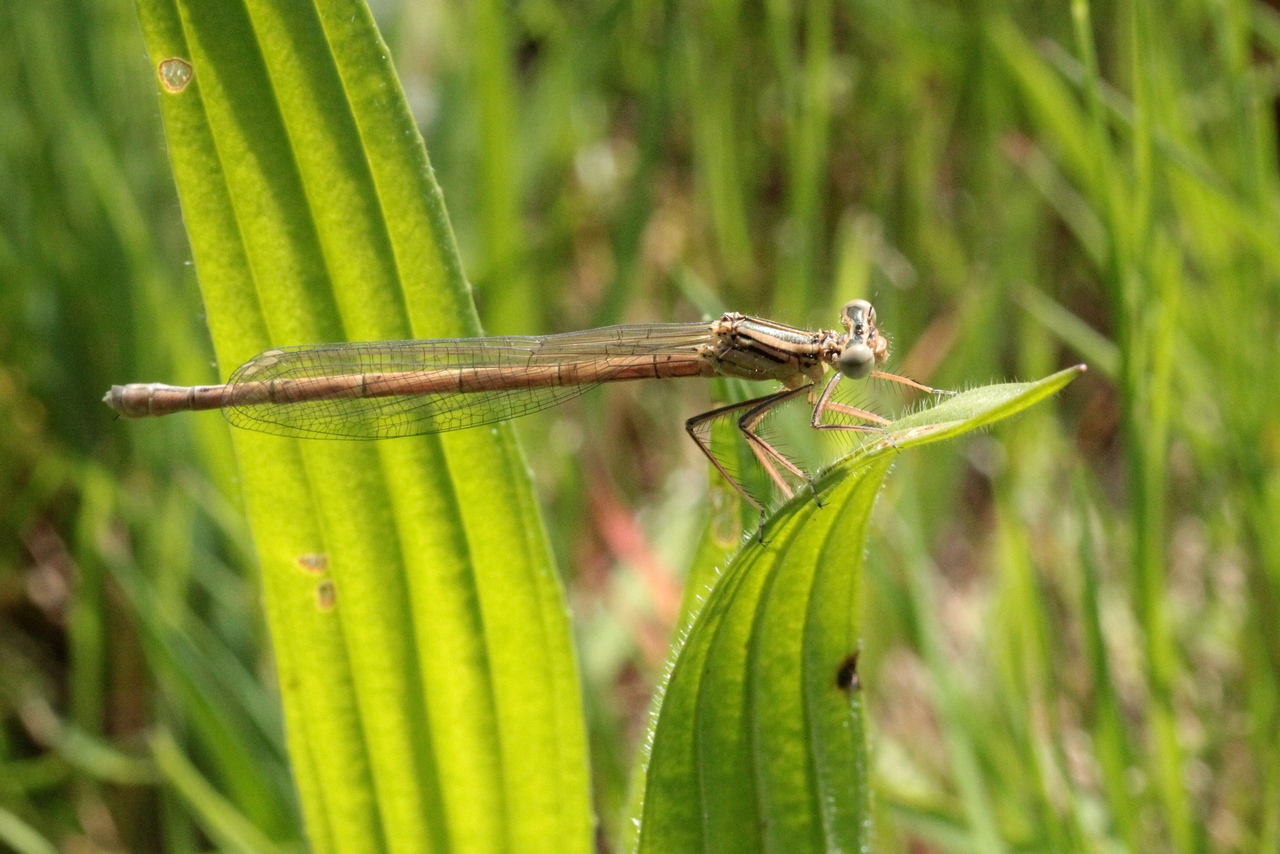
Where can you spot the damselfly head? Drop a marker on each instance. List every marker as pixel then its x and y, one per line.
pixel 866 347
pixel 856 316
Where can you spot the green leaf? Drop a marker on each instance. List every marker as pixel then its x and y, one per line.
pixel 217 817
pixel 420 631
pixel 22 837
pixel 757 738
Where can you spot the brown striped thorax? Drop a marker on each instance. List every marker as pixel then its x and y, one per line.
pixel 751 348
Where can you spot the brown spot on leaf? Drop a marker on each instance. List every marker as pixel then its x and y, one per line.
pixel 326 596
pixel 315 563
pixel 847 673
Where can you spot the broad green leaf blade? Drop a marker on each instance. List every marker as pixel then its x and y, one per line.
pixel 758 741
pixel 429 684
pixel 974 409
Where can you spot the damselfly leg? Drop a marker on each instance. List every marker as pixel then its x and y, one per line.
pixel 696 425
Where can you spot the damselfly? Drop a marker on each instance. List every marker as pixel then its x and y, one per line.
pixel 388 389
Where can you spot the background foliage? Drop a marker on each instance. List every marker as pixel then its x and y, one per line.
pixel 1072 624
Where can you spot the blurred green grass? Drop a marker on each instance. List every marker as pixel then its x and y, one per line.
pixel 1073 623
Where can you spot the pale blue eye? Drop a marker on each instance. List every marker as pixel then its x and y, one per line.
pixel 856 361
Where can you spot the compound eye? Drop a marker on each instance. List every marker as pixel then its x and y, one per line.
pixel 856 361
pixel 855 312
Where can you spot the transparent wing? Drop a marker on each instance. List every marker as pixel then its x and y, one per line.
pixel 392 416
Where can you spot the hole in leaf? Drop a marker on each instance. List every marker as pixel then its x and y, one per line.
pixel 847 674
pixel 175 74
